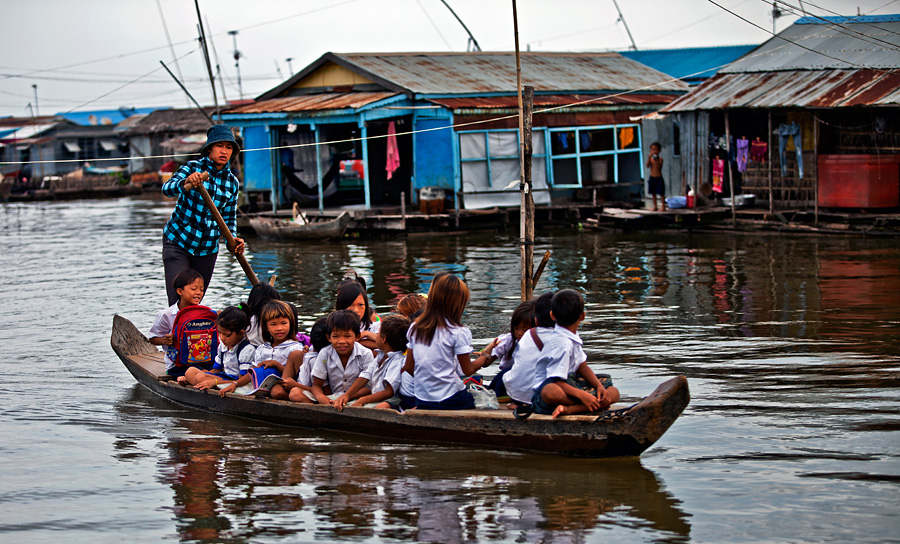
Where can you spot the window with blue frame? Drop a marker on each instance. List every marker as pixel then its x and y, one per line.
pixel 597 155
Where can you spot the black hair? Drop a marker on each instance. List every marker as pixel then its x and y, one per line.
pixel 567 307
pixel 415 315
pixel 542 308
pixel 393 329
pixel 657 144
pixel 318 334
pixel 233 319
pixel 347 294
pixel 258 297
pixel 524 313
pixel 185 278
pixel 352 277
pixel 343 320
pixel 273 310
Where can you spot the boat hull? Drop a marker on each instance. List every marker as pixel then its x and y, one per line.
pixel 628 434
pixel 279 229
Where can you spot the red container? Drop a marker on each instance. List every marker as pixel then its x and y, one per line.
pixel 859 181
pixel 690 201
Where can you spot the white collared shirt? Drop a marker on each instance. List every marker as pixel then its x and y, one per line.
pixel 519 381
pixel 385 370
pixel 338 377
pixel 561 355
pixel 162 326
pixel 436 372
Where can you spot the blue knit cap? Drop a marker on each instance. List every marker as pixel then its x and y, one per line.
pixel 219 133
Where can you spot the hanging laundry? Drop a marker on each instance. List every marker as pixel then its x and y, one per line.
pixel 393 152
pixel 563 141
pixel 585 141
pixel 786 131
pixel 743 153
pixel 758 150
pixel 718 172
pixel 626 136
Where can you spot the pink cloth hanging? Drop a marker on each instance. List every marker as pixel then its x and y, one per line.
pixel 393 153
pixel 718 174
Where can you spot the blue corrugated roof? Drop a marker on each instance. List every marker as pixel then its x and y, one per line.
pixel 691 64
pixel 104 117
pixel 841 20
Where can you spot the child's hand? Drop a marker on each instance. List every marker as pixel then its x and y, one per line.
pixel 340 402
pixel 168 340
pixel 603 397
pixel 592 402
pixel 228 389
pixel 289 383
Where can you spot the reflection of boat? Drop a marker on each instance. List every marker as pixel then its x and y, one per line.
pixel 627 433
pixel 318 228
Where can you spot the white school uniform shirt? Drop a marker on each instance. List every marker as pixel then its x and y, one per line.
pixel 562 354
pixel 384 370
pixel 231 362
pixel 374 327
pixel 254 332
pixel 501 349
pixel 304 377
pixel 280 353
pixel 162 326
pixel 519 381
pixel 436 369
pixel 328 367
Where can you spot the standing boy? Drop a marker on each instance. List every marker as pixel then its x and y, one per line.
pixel 339 364
pixel 554 393
pixel 656 185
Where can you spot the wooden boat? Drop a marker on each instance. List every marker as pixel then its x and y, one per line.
pixel 623 432
pixel 318 228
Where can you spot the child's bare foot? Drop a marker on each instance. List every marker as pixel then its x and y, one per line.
pixel 181 380
pixel 561 409
pixel 655 209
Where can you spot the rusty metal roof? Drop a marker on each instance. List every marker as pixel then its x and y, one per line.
pixel 493 72
pixel 853 62
pixel 312 102
pixel 795 88
pixel 555 100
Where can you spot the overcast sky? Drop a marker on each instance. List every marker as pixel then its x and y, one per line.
pixel 102 54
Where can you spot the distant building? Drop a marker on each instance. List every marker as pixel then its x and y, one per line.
pixel 821 98
pixel 154 138
pixel 692 65
pixel 325 134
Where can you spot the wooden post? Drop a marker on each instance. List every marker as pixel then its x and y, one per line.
pixel 526 247
pixel 730 172
pixel 815 162
pixel 528 195
pixel 403 209
pixel 769 159
pixel 212 81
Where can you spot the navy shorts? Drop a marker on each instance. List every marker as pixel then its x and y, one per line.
pixel 497 385
pixel 461 400
pixel 575 380
pixel 656 186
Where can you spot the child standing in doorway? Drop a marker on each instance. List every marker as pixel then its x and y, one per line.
pixel 656 185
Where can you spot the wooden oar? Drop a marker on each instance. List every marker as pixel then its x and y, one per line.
pixel 225 231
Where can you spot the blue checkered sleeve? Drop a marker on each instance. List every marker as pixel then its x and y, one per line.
pixel 192 226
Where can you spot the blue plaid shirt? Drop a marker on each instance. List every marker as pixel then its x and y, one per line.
pixel 191 226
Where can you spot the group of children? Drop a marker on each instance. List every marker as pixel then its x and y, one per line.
pixel 418 357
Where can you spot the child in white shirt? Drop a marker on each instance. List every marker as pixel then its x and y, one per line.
pixel 338 365
pixel 189 287
pixel 380 381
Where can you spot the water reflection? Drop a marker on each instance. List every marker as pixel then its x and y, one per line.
pixel 238 481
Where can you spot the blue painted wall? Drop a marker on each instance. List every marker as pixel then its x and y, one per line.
pixel 434 154
pixel 257 164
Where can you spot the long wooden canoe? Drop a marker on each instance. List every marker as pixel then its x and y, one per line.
pixel 628 433
pixel 318 228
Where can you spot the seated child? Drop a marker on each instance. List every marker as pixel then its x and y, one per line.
pixel 281 348
pixel 260 294
pixel 411 304
pixel 189 287
pixel 351 296
pixel 300 380
pixel 338 365
pixel 563 356
pixel 235 355
pixel 519 380
pixel 380 381
pixel 504 345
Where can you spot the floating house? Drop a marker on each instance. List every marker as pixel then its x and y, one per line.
pixel 811 118
pixel 156 136
pixel 366 128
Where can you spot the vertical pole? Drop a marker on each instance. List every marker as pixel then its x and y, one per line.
pixel 212 81
pixel 523 188
pixel 730 171
pixel 319 171
pixel 403 210
pixel 769 160
pixel 816 163
pixel 364 133
pixel 527 149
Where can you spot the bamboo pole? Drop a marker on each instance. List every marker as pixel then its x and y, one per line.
pixel 730 172
pixel 226 232
pixel 524 245
pixel 527 149
pixel 815 162
pixel 769 160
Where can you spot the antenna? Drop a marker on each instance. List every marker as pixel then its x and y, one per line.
pixel 237 61
pixel 776 13
pixel 472 39
pixel 622 18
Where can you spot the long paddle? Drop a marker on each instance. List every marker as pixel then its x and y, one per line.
pixel 225 231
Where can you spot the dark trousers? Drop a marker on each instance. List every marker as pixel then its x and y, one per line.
pixel 176 259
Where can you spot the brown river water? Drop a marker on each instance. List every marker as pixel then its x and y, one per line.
pixel 790 346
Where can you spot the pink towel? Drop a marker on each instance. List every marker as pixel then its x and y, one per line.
pixel 718 174
pixel 393 153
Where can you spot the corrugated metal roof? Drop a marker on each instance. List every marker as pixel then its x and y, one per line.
pixel 544 101
pixel 797 88
pixel 313 102
pixel 479 72
pixel 848 45
pixel 690 64
pixel 172 120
